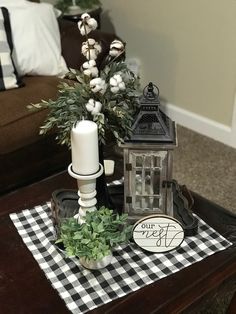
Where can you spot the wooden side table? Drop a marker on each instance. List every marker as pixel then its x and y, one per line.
pixel 183 292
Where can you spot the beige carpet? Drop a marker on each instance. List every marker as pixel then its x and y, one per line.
pixel 207 167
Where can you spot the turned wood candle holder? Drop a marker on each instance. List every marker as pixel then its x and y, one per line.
pixel 86 190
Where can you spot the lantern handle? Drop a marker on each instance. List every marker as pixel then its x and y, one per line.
pixel 149 91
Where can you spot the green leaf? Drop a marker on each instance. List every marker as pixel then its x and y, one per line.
pixel 118 110
pixel 100 232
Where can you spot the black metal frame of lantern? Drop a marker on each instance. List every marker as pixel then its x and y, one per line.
pixel 148 160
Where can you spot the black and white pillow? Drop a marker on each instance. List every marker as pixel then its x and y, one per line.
pixel 8 74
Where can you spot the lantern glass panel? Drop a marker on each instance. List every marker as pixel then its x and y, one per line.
pixel 156 181
pixel 147 203
pixel 143 202
pixel 147 175
pixel 138 203
pixel 139 161
pixel 148 161
pixel 156 204
pixel 157 161
pixel 147 182
pixel 138 182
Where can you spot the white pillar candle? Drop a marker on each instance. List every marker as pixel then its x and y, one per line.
pixel 84 147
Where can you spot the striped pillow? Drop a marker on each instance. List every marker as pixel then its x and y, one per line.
pixel 8 74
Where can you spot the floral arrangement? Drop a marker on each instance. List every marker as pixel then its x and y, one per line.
pixel 107 97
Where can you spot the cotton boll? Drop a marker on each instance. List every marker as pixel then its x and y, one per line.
pixel 98 48
pixel 90 105
pixel 97 108
pixel 116 83
pixel 87 24
pixel 118 78
pixel 93 106
pixel 92 63
pixel 113 81
pixel 116 48
pixel 84 48
pixel 91 41
pixel 122 86
pixel 87 72
pixel 92 23
pixel 83 28
pixel 89 64
pixel 95 81
pixel 92 54
pixel 85 16
pixel 98 85
pixel 90 49
pixel 94 71
pixel 117 44
pixel 115 89
pixel 114 53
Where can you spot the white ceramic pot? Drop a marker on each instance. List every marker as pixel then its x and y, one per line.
pixel 92 264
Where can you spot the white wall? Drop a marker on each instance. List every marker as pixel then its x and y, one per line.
pixel 188 48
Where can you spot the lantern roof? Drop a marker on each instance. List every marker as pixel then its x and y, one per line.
pixel 152 125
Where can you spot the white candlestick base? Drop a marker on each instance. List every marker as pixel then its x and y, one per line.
pixel 86 190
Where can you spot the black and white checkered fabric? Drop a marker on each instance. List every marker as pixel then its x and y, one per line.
pixel 8 74
pixel 130 269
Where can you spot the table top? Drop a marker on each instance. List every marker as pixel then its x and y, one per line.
pixel 25 289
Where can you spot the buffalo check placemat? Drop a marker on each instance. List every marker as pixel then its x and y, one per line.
pixel 130 269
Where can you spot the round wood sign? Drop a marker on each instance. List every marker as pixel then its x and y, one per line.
pixel 158 233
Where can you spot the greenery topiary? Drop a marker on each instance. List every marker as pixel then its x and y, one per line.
pixel 94 239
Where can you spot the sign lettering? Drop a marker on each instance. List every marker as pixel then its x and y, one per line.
pixel 158 233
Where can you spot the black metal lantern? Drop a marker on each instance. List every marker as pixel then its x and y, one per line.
pixel 148 159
